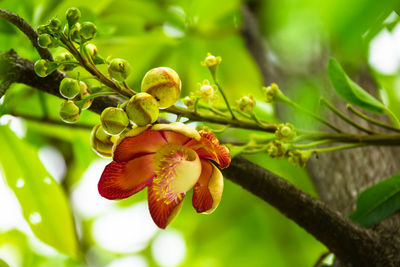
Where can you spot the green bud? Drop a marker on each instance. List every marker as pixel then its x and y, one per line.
pixel 45 40
pixel 270 92
pixel 277 149
pixel 114 120
pixel 164 84
pixel 285 131
pixel 73 15
pixel 69 111
pixel 88 31
pixel 206 90
pixel 142 109
pixel 41 68
pixel 85 93
pixel 246 103
pixel 119 69
pixel 211 61
pixel 55 25
pixel 189 101
pixel 69 88
pixel 74 32
pixel 63 57
pixel 299 157
pixel 101 142
pixel 43 29
pixel 92 51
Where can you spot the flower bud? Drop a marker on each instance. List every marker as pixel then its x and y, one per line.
pixel 92 51
pixel 142 109
pixel 41 67
pixel 63 57
pixel 55 25
pixel 87 31
pixel 69 111
pixel 285 132
pixel 246 103
pixel 101 142
pixel 277 149
pixel 298 157
pixel 206 91
pixel 73 15
pixel 85 93
pixel 163 84
pixel 45 40
pixel 114 120
pixel 42 29
pixel 69 88
pixel 189 101
pixel 202 128
pixel 119 69
pixel 74 32
pixel 270 92
pixel 211 61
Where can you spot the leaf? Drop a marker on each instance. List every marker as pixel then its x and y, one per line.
pixel 350 91
pixel 378 202
pixel 42 200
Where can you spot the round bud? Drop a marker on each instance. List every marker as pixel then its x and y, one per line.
pixel 63 57
pixel 92 50
pixel 285 131
pixel 45 40
pixel 101 142
pixel 42 29
pixel 119 69
pixel 73 15
pixel 88 31
pixel 69 111
pixel 211 61
pixel 74 33
pixel 189 101
pixel 55 25
pixel 69 88
pixel 246 103
pixel 114 120
pixel 41 67
pixel 164 84
pixel 85 93
pixel 142 109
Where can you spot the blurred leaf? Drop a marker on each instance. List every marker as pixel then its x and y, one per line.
pixel 3 263
pixel 350 91
pixel 43 202
pixel 378 202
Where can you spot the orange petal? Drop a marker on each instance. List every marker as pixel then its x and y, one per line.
pixel 208 147
pixel 137 142
pixel 123 179
pixel 179 128
pixel 161 211
pixel 208 190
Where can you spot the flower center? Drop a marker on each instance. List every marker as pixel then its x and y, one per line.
pixel 177 168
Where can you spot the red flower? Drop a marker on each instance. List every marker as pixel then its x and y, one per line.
pixel 169 159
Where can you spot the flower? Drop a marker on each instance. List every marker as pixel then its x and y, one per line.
pixel 168 159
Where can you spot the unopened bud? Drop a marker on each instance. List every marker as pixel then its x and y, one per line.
pixel 119 69
pixel 277 149
pixel 163 84
pixel 211 61
pixel 270 92
pixel 114 120
pixel 142 109
pixel 189 101
pixel 63 57
pixel 43 67
pixel 285 131
pixel 45 40
pixel 73 15
pixel 74 32
pixel 246 103
pixel 42 29
pixel 87 31
pixel 298 157
pixel 69 88
pixel 206 91
pixel 101 142
pixel 69 111
pixel 55 25
pixel 85 93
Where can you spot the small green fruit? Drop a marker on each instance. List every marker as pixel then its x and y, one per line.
pixel 142 109
pixel 41 67
pixel 88 31
pixel 119 69
pixel 55 25
pixel 101 142
pixel 73 15
pixel 85 93
pixel 45 40
pixel 43 29
pixel 63 57
pixel 69 111
pixel 163 84
pixel 69 88
pixel 74 32
pixel 114 120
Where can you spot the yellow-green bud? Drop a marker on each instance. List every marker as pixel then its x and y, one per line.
pixel 114 120
pixel 101 142
pixel 206 91
pixel 69 111
pixel 88 31
pixel 74 32
pixel 69 88
pixel 277 149
pixel 189 101
pixel 45 40
pixel 142 109
pixel 55 25
pixel 43 29
pixel 62 58
pixel 164 84
pixel 202 128
pixel 285 131
pixel 85 93
pixel 270 92
pixel 298 157
pixel 246 103
pixel 92 50
pixel 41 68
pixel 119 69
pixel 73 15
pixel 211 61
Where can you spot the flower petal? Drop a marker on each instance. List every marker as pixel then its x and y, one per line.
pixel 123 179
pixel 179 128
pixel 161 211
pixel 208 147
pixel 137 142
pixel 208 190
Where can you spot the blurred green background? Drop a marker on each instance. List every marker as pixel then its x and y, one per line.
pixel 51 213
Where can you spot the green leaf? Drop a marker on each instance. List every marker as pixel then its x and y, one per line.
pixel 42 199
pixel 350 91
pixel 378 202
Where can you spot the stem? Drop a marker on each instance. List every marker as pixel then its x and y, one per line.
pixel 335 148
pixel 223 95
pixel 371 120
pixel 196 104
pixel 255 118
pixel 344 117
pixel 317 143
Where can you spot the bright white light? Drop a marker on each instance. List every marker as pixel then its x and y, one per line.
pixel 85 196
pixel 130 261
pixel 169 248
pixel 20 183
pixel 11 255
pixel 16 124
pixel 383 54
pixel 53 161
pixel 125 230
pixel 172 31
pixel 35 218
